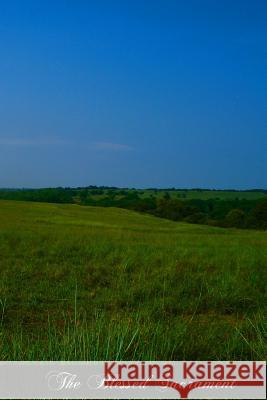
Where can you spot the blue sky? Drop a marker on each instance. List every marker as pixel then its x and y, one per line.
pixel 133 93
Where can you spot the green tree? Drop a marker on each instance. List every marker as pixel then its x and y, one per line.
pixel 235 218
pixel 258 217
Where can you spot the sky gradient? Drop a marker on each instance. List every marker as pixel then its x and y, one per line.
pixel 133 93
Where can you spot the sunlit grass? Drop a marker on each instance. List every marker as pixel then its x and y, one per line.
pixel 84 283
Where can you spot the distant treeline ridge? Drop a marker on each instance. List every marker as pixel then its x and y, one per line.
pixel 171 203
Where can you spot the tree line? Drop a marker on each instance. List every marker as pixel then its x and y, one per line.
pixel 239 213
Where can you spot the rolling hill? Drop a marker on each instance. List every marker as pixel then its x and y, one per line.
pixel 86 283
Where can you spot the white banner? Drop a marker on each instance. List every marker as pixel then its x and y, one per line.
pixel 133 380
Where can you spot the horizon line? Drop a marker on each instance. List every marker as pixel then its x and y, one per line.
pixel 137 188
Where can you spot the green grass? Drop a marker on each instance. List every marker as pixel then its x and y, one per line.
pixel 88 283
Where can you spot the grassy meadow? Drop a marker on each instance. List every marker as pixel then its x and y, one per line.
pixel 89 283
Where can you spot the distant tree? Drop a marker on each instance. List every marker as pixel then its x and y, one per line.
pixel 96 192
pixel 173 209
pixel 166 196
pixel 196 218
pixel 122 192
pixel 83 196
pixel 145 205
pixel 258 216
pixel 235 218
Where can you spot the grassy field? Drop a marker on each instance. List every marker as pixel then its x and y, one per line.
pixel 88 283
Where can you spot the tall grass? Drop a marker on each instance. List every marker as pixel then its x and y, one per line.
pixel 90 284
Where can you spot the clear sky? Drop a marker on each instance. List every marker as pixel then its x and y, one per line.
pixel 135 93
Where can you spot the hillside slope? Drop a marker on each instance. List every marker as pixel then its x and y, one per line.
pixel 105 283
